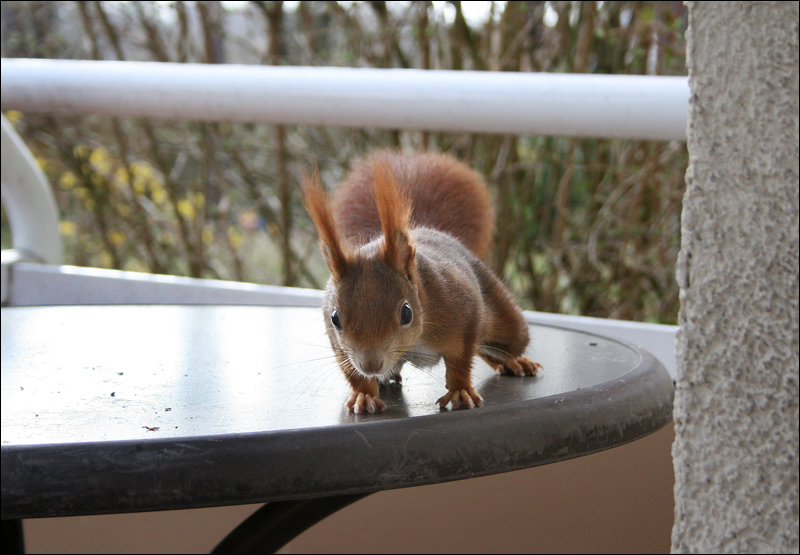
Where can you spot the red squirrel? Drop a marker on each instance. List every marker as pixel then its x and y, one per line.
pixel 404 240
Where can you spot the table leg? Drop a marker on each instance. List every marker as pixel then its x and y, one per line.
pixel 12 538
pixel 275 524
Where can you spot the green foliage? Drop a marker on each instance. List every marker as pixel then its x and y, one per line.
pixel 584 226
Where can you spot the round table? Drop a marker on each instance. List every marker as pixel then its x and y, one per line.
pixel 111 409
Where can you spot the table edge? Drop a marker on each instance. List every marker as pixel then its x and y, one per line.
pixel 46 480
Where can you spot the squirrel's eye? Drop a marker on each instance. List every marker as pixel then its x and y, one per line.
pixel 405 315
pixel 335 320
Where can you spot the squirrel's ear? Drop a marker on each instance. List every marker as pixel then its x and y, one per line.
pixel 316 203
pixel 336 262
pixel 394 211
pixel 399 253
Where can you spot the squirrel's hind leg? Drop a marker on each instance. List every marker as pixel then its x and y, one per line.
pixel 506 363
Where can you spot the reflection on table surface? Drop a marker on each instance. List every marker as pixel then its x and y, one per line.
pixel 88 373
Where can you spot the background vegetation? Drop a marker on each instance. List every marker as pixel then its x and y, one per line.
pixel 587 226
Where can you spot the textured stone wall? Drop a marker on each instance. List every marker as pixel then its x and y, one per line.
pixel 736 402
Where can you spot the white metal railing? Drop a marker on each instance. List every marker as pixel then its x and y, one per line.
pixel 579 105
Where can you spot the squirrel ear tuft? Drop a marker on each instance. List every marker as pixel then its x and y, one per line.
pixel 394 211
pixel 316 203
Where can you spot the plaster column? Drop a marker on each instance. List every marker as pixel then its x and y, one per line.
pixel 736 401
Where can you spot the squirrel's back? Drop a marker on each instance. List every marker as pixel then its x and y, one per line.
pixel 445 194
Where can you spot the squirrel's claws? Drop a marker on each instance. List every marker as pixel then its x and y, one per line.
pixel 469 398
pixel 359 402
pixel 520 366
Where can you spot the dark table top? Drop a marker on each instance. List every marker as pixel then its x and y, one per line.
pixel 129 408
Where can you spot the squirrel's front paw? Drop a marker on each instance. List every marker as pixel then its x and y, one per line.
pixel 468 397
pixel 359 402
pixel 520 366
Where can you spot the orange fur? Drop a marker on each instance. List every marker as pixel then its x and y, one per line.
pixel 445 195
pixel 316 203
pixel 394 213
pixel 402 242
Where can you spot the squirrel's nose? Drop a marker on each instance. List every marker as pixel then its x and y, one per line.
pixel 370 364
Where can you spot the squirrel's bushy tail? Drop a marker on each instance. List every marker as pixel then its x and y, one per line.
pixel 445 194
